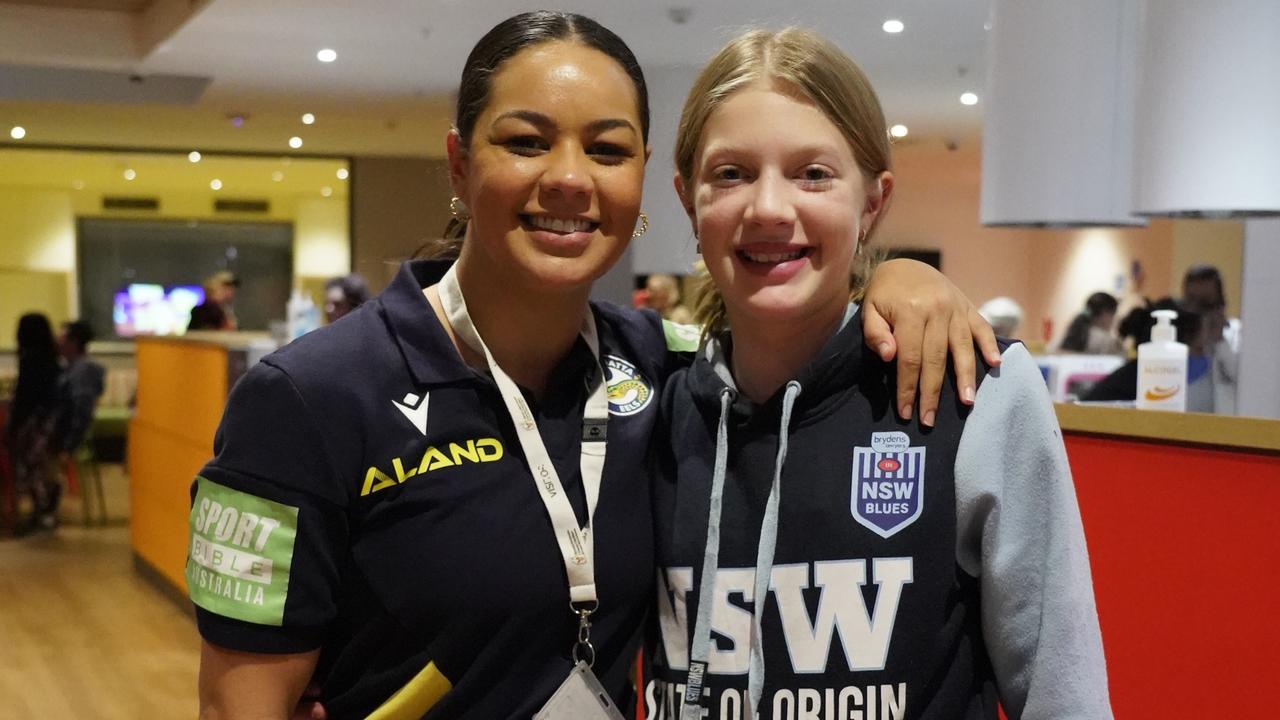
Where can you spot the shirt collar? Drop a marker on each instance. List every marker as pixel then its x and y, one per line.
pixel 422 340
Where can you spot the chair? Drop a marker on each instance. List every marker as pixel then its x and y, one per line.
pixel 87 484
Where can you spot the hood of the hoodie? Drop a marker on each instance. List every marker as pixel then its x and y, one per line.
pixel 841 364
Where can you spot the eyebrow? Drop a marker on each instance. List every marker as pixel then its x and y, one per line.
pixel 545 122
pixel 717 152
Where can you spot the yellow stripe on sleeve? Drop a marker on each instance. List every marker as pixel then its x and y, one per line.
pixel 413 700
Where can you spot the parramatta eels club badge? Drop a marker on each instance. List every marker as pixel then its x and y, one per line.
pixel 888 483
pixel 629 392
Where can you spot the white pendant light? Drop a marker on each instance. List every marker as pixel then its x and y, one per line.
pixel 1058 113
pixel 1208 117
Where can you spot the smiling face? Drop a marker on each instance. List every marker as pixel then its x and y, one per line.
pixel 778 203
pixel 554 170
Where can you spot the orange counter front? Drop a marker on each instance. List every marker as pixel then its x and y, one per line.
pixel 1182 517
pixel 182 388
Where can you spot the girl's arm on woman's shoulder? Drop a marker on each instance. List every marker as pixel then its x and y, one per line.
pixel 252 686
pixel 914 313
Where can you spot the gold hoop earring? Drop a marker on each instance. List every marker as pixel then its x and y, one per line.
pixel 644 226
pixel 458 209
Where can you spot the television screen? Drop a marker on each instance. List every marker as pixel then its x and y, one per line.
pixel 150 309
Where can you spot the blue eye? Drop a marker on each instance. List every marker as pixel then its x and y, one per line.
pixel 728 173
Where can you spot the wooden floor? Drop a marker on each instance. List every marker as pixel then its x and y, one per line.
pixel 82 635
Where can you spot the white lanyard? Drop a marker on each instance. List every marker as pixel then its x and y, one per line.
pixel 575 542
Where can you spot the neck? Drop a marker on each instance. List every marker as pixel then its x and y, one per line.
pixel 529 331
pixel 766 354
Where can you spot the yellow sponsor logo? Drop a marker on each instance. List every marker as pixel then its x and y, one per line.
pixel 481 450
pixel 1161 393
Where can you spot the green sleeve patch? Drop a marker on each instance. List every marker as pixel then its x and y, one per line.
pixel 240 553
pixel 681 338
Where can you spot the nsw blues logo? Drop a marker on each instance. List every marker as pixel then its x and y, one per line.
pixel 888 483
pixel 629 392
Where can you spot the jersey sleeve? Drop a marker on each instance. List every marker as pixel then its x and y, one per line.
pixel 1019 532
pixel 268 528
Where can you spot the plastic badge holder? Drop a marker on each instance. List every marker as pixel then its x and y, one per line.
pixel 580 697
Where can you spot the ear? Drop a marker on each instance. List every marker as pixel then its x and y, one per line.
pixel 648 152
pixel 459 162
pixel 686 200
pixel 879 190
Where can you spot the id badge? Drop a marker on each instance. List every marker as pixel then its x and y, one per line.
pixel 580 697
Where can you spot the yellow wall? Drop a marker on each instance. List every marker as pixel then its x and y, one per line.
pixel 1214 242
pixel 38 242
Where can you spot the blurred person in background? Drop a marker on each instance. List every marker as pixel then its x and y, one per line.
pixel 1004 314
pixel 1090 331
pixel 82 385
pixel 662 293
pixel 1122 384
pixel 1202 292
pixel 344 294
pixel 33 421
pixel 216 312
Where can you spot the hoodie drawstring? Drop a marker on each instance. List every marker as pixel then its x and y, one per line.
pixel 764 555
pixel 700 647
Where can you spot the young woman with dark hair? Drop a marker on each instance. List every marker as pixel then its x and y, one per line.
pixel 33 420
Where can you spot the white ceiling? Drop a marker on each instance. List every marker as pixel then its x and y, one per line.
pixel 399 60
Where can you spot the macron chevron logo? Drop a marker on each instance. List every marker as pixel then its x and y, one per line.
pixel 414 408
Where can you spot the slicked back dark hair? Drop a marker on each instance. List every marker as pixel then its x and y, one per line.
pixel 525 30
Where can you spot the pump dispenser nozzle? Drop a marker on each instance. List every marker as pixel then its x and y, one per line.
pixel 1164 330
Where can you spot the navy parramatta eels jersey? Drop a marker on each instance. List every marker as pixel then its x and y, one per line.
pixel 369 497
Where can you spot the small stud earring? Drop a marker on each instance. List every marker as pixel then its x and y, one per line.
pixel 458 209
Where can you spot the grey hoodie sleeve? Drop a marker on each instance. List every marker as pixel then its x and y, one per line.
pixel 1019 531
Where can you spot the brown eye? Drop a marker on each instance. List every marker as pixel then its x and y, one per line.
pixel 816 174
pixel 525 145
pixel 609 153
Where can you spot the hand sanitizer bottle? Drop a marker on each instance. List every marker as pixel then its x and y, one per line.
pixel 1162 367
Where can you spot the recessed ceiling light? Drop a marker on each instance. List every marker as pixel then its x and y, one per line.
pixel 898 131
pixel 308 118
pixel 129 174
pixel 18 132
pixel 893 27
pixel 215 184
pixel 327 55
pixel 194 156
pixel 968 99
pixel 326 191
pixel 295 142
pixel 277 176
pixel 342 173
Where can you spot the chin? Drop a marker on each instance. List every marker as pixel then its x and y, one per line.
pixel 773 305
pixel 567 273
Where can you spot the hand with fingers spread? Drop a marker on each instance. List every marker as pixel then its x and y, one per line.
pixel 913 312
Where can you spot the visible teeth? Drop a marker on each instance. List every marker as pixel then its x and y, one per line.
pixel 558 225
pixel 773 257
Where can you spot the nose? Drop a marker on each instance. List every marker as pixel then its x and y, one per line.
pixel 771 205
pixel 568 173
